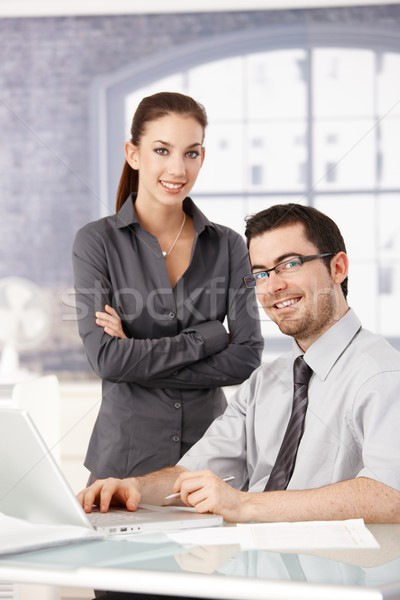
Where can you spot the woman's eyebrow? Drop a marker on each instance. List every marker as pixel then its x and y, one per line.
pixel 164 143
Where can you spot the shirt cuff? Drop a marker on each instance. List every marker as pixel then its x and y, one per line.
pixel 214 335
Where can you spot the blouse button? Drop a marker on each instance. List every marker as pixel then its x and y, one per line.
pixel 175 438
pixel 171 315
pixel 177 404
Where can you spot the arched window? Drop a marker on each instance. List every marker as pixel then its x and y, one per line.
pixel 303 115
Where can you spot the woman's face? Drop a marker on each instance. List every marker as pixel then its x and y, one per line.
pixel 168 158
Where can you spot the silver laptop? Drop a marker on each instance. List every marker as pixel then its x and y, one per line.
pixel 32 487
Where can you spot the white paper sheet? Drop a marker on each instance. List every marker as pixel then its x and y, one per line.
pixel 310 535
pixel 18 535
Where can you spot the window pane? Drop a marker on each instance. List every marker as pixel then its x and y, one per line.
pixel 275 84
pixel 390 152
pixel 219 86
pixel 343 82
pixel 223 168
pixel 344 155
pixel 225 211
pixel 279 151
pixel 356 218
pixel 388 91
pixel 386 277
pixel 389 260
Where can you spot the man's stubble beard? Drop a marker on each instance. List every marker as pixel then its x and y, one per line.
pixel 314 320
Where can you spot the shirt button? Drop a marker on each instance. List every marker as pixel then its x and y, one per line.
pixel 171 315
pixel 175 438
pixel 177 404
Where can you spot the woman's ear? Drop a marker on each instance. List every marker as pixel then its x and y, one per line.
pixel 203 154
pixel 132 155
pixel 340 267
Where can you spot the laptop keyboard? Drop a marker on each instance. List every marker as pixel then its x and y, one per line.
pixel 112 517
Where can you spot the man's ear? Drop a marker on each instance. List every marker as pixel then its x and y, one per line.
pixel 340 267
pixel 132 155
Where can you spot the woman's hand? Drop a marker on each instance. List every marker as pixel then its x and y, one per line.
pixel 111 322
pixel 104 492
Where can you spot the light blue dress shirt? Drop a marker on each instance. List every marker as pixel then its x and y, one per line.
pixel 352 426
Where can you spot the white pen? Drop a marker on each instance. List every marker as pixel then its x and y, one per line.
pixel 171 496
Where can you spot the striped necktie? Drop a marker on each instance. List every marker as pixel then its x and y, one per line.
pixel 284 465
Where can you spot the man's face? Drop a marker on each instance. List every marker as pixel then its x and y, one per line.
pixel 303 303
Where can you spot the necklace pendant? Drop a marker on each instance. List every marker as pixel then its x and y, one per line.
pixel 168 252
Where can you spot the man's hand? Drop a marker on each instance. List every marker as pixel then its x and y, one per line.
pixel 206 559
pixel 208 493
pixel 110 322
pixel 104 492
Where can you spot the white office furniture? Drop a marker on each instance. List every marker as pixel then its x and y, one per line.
pixel 156 565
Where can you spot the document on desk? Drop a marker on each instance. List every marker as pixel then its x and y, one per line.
pixel 18 535
pixel 307 535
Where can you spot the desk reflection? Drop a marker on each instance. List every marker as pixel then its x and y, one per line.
pixel 369 567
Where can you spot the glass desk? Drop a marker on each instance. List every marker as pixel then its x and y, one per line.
pixel 151 563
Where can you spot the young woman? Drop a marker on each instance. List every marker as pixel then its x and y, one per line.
pixel 172 277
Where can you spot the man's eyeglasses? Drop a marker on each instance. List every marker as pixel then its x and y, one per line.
pixel 284 268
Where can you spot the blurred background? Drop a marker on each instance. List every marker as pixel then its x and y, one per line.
pixel 303 100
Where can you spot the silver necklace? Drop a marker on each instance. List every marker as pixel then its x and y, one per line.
pixel 167 253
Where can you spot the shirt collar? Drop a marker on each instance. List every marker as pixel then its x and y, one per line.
pixel 326 350
pixel 127 216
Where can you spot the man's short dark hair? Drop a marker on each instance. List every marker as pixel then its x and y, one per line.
pixel 320 230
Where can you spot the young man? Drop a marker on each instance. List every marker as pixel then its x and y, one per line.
pixel 341 460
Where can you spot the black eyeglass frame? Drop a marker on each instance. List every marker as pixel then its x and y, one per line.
pixel 250 281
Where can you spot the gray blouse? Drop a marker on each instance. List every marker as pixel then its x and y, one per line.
pixel 161 386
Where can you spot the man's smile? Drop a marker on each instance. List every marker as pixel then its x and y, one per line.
pixel 285 303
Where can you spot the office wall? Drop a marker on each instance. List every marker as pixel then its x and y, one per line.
pixel 47 70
